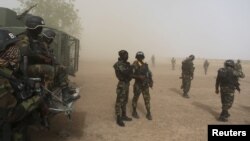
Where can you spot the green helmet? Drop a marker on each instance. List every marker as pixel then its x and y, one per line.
pixel 139 55
pixel 34 22
pixel 6 38
pixel 229 63
pixel 191 57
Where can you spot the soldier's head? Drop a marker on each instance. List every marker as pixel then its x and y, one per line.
pixel 238 61
pixel 6 39
pixel 229 63
pixel 123 55
pixel 48 36
pixel 191 57
pixel 139 56
pixel 34 25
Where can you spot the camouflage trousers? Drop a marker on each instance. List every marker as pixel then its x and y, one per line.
pixel 186 84
pixel 122 92
pixel 138 89
pixel 43 71
pixel 61 76
pixel 227 98
pixel 205 69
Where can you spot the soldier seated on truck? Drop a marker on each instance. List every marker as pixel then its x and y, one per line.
pixel 61 74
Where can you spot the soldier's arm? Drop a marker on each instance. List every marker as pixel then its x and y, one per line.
pixel 217 84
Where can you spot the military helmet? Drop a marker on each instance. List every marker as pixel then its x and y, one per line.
pixel 50 34
pixel 122 53
pixel 229 63
pixel 33 22
pixel 6 38
pixel 139 54
pixel 191 57
pixel 238 61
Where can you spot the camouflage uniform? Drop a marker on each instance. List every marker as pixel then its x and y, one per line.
pixel 123 73
pixel 227 81
pixel 205 66
pixel 12 109
pixel 143 80
pixel 187 75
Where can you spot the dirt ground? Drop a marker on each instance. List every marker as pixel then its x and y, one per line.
pixel 174 117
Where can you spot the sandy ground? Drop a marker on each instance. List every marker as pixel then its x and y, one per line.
pixel 174 117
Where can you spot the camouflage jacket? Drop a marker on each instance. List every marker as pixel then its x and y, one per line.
pixel 187 68
pixel 123 70
pixel 142 70
pixel 227 79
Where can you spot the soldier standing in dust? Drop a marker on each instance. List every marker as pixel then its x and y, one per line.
pixel 173 61
pixel 227 80
pixel 205 66
pixel 238 69
pixel 153 60
pixel 187 74
pixel 123 71
pixel 143 80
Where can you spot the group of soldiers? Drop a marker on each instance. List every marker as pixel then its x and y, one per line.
pixel 22 57
pixel 227 82
pixel 125 72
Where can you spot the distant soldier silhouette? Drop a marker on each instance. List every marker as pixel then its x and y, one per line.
pixel 173 61
pixel 205 66
pixel 238 69
pixel 153 60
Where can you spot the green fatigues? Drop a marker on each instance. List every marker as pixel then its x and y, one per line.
pixel 227 80
pixel 142 86
pixel 187 75
pixel 238 69
pixel 123 73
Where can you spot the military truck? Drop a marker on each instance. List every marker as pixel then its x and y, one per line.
pixel 65 46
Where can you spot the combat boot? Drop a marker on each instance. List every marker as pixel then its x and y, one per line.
pixel 125 117
pixel 185 95
pixel 223 116
pixel 149 116
pixel 119 121
pixel 135 114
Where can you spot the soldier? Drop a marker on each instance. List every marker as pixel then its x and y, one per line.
pixel 143 80
pixel 205 66
pixel 13 109
pixel 227 80
pixel 153 60
pixel 61 73
pixel 173 61
pixel 187 74
pixel 238 69
pixel 123 73
pixel 37 63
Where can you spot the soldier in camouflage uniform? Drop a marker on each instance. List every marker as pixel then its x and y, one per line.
pixel 238 69
pixel 123 73
pixel 12 109
pixel 227 81
pixel 61 74
pixel 143 80
pixel 187 74
pixel 38 63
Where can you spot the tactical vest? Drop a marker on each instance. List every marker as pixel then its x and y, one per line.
pixel 227 78
pixel 123 71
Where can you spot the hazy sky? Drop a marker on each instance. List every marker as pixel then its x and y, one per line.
pixel 166 28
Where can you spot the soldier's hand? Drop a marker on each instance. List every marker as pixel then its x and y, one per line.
pixel 151 85
pixel 142 77
pixel 217 91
